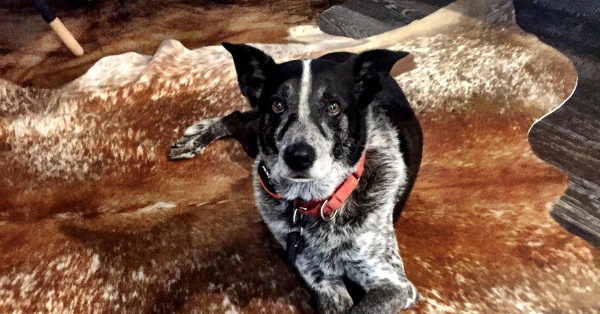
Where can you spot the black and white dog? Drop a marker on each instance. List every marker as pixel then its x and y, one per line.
pixel 337 149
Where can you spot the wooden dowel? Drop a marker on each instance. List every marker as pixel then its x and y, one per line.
pixel 66 37
pixel 50 17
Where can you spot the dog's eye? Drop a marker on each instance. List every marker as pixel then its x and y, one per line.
pixel 277 106
pixel 333 107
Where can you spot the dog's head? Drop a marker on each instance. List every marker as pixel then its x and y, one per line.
pixel 313 114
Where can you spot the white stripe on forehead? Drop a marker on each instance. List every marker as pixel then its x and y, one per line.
pixel 303 107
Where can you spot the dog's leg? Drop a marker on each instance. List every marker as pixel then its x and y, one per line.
pixel 240 125
pixel 331 296
pixel 328 289
pixel 380 273
pixel 387 299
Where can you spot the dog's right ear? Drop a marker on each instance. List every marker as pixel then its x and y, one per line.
pixel 369 69
pixel 253 67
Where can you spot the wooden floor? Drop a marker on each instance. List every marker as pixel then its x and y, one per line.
pixel 569 138
pixel 360 18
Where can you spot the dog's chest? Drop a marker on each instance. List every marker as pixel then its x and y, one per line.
pixel 348 242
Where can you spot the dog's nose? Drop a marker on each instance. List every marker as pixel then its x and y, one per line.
pixel 299 156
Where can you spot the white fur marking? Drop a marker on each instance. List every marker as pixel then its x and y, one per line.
pixel 303 108
pixel 157 206
pixel 199 127
pixel 412 300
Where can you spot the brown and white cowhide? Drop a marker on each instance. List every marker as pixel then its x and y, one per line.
pixel 94 219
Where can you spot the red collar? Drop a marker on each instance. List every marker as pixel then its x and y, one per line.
pixel 326 208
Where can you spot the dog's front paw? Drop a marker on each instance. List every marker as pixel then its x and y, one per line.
pixel 195 139
pixel 411 296
pixel 387 298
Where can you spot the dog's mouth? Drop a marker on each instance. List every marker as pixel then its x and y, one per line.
pixel 298 176
pixel 309 184
pixel 300 179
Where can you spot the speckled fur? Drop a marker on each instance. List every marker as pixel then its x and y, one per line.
pixel 359 245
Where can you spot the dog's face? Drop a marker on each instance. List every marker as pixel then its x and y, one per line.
pixel 313 114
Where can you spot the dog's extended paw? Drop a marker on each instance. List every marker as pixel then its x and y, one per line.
pixel 195 139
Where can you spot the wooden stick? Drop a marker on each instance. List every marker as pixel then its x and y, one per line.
pixel 66 37
pixel 60 29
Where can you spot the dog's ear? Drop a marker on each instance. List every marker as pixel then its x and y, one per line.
pixel 369 68
pixel 253 67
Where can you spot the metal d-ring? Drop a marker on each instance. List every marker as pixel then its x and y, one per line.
pixel 323 216
pixel 294 223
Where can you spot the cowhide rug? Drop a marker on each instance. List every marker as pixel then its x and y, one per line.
pixel 94 219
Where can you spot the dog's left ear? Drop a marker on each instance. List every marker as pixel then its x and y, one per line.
pixel 253 67
pixel 369 68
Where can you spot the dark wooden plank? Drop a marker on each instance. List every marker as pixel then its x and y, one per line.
pixel 569 137
pixel 342 21
pixel 578 210
pixel 364 18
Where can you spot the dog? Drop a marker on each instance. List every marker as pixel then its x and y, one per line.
pixel 337 149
